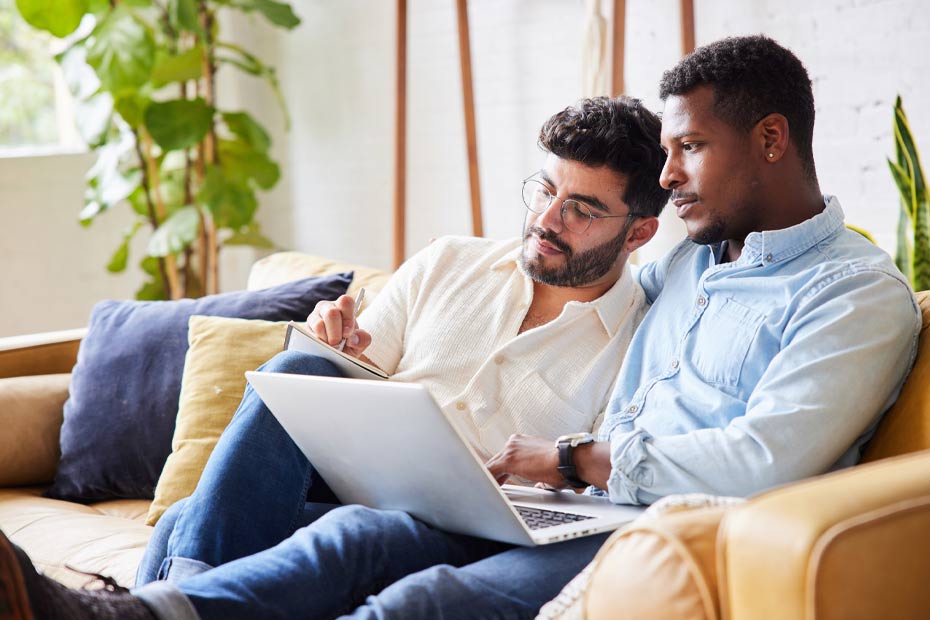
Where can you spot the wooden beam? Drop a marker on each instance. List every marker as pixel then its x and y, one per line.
pixel 687 27
pixel 618 46
pixel 468 97
pixel 400 139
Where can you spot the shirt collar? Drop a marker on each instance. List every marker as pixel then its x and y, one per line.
pixel 611 307
pixel 772 246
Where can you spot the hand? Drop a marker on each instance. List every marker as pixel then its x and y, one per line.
pixel 532 458
pixel 331 321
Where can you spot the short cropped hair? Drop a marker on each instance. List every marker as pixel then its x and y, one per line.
pixel 751 77
pixel 619 133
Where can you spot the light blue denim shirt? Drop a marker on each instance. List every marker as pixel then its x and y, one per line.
pixel 772 368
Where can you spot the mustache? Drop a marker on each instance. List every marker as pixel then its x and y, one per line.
pixel 685 195
pixel 549 237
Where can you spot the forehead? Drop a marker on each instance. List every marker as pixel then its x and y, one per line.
pixel 575 177
pixel 689 114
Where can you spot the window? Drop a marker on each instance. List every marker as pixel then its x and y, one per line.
pixel 35 106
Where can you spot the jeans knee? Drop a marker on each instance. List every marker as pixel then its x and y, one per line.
pixel 300 363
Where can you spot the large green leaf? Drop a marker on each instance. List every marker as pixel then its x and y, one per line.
pixel 180 68
pixel 120 257
pixel 243 125
pixel 251 236
pixel 176 232
pixel 231 200
pixel 253 66
pixel 183 15
pixel 278 13
pixel 60 17
pixel 904 136
pixel 131 107
pixel 902 257
pixel 180 123
pixel 241 161
pixel 122 52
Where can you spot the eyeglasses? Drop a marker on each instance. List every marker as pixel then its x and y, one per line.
pixel 576 216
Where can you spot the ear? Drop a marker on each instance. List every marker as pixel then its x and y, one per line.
pixel 772 135
pixel 642 230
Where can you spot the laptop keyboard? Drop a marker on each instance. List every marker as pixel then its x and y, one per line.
pixel 538 518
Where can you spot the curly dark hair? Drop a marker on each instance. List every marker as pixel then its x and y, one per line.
pixel 752 77
pixel 618 133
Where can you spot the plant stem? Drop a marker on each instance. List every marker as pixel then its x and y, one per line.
pixel 153 218
pixel 174 290
pixel 211 274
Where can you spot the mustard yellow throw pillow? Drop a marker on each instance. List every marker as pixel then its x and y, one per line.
pixel 220 352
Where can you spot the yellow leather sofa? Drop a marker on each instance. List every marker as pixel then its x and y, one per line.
pixel 854 544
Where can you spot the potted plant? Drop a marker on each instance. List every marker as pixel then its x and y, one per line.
pixel 143 73
pixel 913 252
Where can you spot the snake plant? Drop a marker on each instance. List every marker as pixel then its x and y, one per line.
pixel 913 252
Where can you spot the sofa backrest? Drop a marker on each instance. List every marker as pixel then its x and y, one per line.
pixel 906 426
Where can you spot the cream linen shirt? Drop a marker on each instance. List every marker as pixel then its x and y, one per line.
pixel 449 319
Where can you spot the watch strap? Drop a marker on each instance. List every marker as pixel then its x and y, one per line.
pixel 566 466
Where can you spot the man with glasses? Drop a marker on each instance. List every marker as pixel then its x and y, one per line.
pixel 519 336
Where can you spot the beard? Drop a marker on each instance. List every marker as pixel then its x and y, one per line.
pixel 578 269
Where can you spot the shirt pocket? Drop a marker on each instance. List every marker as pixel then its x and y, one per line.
pixel 723 337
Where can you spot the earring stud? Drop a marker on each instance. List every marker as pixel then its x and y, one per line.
pixel 771 155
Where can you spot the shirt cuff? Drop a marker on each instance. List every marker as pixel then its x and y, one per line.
pixel 627 475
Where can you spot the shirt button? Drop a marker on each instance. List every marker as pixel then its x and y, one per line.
pixel 499 360
pixel 768 258
pixel 674 364
pixel 702 301
pixel 632 409
pixel 460 406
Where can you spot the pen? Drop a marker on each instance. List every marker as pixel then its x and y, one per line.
pixel 358 306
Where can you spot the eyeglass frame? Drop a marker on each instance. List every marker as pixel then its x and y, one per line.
pixel 563 208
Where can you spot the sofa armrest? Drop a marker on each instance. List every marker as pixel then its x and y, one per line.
pixel 852 544
pixel 30 416
pixel 39 354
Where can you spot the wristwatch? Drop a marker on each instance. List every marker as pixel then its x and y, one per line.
pixel 566 444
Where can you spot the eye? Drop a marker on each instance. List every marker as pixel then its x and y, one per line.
pixel 689 146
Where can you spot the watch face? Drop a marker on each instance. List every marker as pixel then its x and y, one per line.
pixel 571 437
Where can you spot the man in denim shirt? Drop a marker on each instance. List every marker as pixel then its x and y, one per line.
pixel 775 341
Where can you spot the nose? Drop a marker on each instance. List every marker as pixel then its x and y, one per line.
pixel 672 175
pixel 551 218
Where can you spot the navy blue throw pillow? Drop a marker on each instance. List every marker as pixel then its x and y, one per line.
pixel 119 417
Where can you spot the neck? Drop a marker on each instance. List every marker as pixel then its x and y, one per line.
pixel 788 207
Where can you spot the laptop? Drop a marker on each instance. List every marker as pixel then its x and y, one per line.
pixel 388 445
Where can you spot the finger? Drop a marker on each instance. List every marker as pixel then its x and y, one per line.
pixel 357 342
pixel 346 306
pixel 332 324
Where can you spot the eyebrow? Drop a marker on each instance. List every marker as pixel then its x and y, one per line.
pixel 594 201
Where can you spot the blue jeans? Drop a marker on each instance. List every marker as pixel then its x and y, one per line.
pixel 282 548
pixel 364 564
pixel 257 489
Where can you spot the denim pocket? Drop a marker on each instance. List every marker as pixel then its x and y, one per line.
pixel 724 335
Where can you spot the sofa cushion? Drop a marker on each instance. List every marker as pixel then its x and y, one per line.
pixel 108 538
pixel 120 415
pixel 220 352
pixel 286 266
pixel 30 416
pixel 906 426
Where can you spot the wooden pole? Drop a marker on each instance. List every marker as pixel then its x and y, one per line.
pixel 469 104
pixel 400 139
pixel 687 27
pixel 618 48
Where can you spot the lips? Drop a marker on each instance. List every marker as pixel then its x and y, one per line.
pixel 683 204
pixel 546 248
